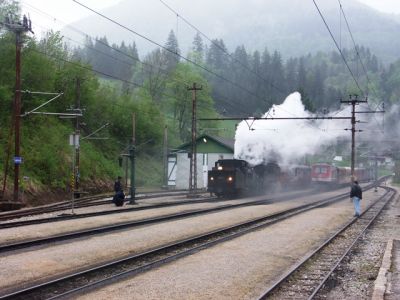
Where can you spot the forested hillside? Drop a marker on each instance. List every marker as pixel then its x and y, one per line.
pixel 117 80
pixel 259 78
pixel 293 27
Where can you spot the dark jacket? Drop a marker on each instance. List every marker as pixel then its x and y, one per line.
pixel 356 191
pixel 117 186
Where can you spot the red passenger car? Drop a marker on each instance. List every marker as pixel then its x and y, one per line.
pixel 326 173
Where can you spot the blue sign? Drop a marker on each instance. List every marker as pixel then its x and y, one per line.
pixel 17 160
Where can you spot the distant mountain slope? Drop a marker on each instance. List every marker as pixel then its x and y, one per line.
pixel 293 27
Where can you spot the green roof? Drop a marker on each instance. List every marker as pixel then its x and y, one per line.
pixel 210 144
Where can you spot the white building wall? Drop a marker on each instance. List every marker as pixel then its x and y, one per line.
pixel 183 168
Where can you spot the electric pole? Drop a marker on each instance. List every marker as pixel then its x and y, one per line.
pixel 165 156
pixel 18 28
pixel 132 156
pixel 193 154
pixel 77 133
pixel 353 101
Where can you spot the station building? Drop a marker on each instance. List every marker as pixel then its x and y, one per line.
pixel 209 150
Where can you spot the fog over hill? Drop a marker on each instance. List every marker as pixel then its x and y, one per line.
pixel 293 27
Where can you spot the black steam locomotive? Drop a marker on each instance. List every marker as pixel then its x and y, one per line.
pixel 235 177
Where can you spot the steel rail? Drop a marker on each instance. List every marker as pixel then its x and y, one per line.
pixel 132 224
pixel 128 225
pixel 276 285
pixel 67 204
pixel 354 242
pixel 198 242
pixel 65 217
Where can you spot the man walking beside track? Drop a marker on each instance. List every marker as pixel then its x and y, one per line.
pixel 356 195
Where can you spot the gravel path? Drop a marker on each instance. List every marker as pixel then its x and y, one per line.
pixel 240 268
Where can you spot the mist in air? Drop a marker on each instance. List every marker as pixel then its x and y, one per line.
pixel 287 141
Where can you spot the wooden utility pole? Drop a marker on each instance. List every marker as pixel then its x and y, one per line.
pixel 17 113
pixel 18 28
pixel 193 153
pixel 353 100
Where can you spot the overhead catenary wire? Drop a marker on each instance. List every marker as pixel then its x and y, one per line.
pixel 362 64
pixel 226 100
pixel 307 123
pixel 355 45
pixel 170 51
pixel 98 72
pixel 222 49
pixel 122 61
pixel 337 46
pixel 106 45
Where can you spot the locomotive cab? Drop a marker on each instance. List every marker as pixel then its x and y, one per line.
pixel 227 177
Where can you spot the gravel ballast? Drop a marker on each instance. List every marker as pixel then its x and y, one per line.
pixel 238 269
pixel 40 263
pixel 355 278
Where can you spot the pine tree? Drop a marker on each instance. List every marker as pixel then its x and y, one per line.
pixel 101 57
pixel 198 45
pixel 301 75
pixel 278 78
pixel 256 68
pixel 198 49
pixel 265 71
pixel 172 54
pixel 216 56
pixel 291 74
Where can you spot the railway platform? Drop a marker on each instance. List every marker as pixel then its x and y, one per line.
pixel 387 284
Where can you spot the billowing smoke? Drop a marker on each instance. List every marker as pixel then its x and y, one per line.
pixel 382 132
pixel 288 141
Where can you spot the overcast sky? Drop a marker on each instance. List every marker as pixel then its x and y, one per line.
pixel 68 11
pixel 388 6
pixel 63 11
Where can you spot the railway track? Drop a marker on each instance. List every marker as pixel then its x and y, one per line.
pixel 132 224
pixel 64 217
pixel 305 280
pixel 87 279
pixel 79 203
pixel 93 201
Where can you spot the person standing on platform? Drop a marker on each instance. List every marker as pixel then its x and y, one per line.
pixel 356 196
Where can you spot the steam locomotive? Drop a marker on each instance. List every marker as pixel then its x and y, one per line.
pixel 235 177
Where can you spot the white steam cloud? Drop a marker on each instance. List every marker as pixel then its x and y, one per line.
pixel 383 130
pixel 288 141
